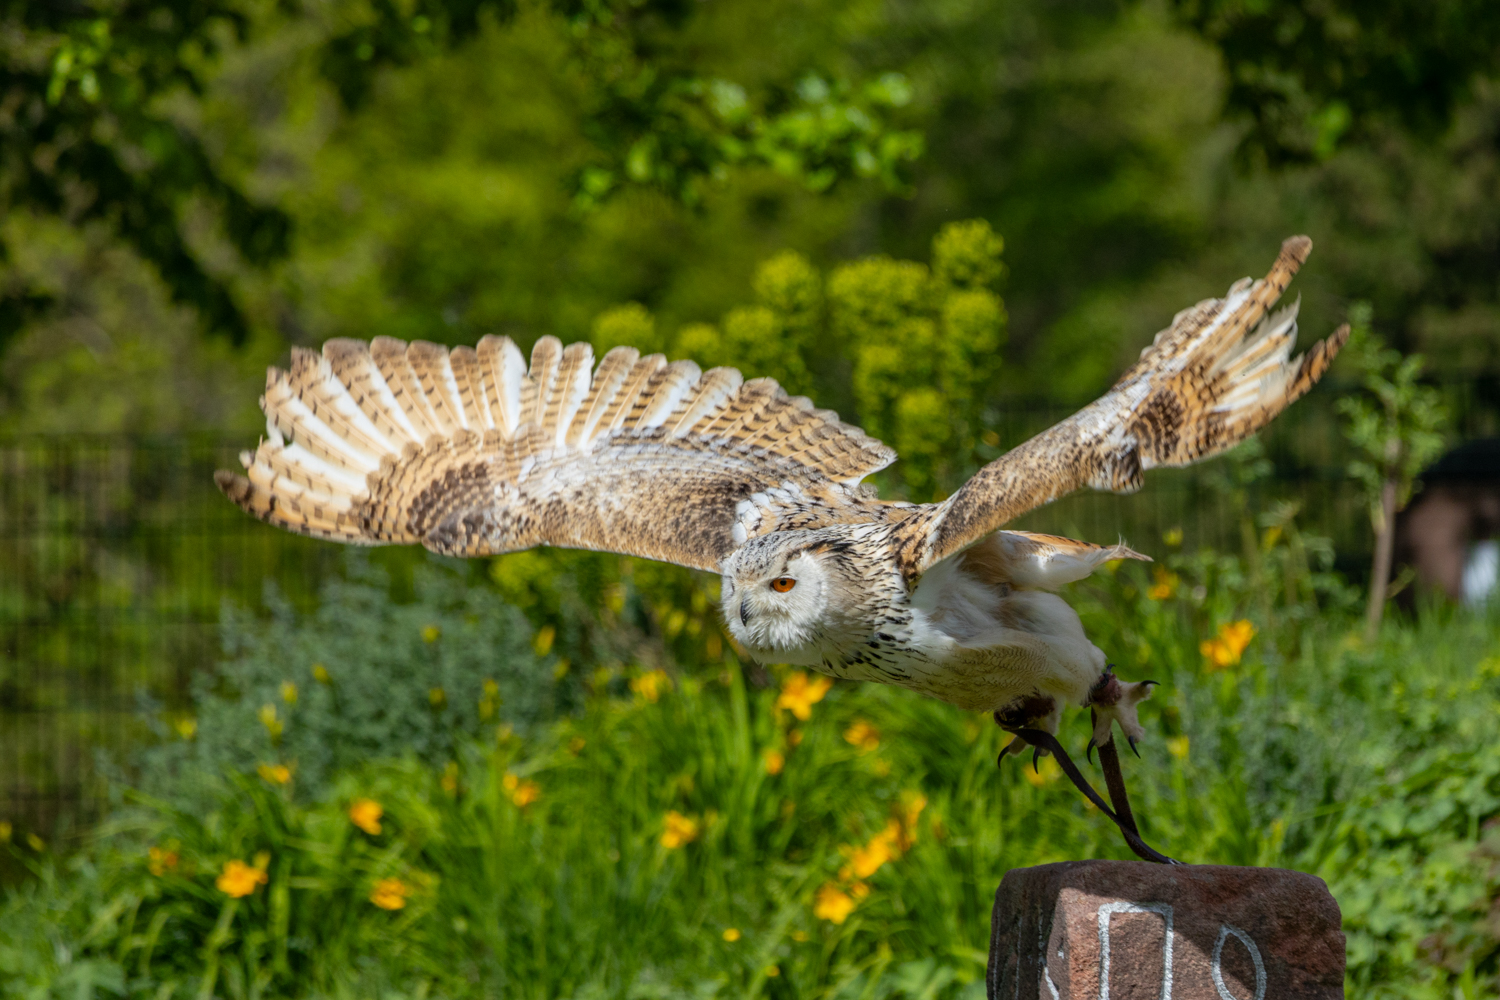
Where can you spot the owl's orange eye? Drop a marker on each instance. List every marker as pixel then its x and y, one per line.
pixel 782 584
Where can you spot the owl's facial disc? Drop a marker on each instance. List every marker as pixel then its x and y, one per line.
pixel 774 606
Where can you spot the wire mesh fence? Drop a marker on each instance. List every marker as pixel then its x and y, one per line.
pixel 117 553
pixel 115 556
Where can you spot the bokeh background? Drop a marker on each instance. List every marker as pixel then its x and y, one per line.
pixel 953 222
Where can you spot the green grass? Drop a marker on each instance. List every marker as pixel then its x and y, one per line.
pixel 1372 767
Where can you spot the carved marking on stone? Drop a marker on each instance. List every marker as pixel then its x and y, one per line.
pixel 1047 978
pixel 1225 930
pixel 1046 972
pixel 1162 910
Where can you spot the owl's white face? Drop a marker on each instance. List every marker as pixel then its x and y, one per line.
pixel 775 604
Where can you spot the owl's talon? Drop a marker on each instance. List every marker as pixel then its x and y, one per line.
pixel 1116 701
pixel 1036 757
pixel 1015 746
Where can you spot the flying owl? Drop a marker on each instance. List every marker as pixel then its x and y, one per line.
pixel 470 452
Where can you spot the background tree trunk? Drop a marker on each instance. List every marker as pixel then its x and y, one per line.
pixel 1380 571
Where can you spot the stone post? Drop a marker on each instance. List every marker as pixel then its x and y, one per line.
pixel 1131 930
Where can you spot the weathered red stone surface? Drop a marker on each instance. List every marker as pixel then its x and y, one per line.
pixel 1131 930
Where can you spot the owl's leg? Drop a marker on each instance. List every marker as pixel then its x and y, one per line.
pixel 1112 700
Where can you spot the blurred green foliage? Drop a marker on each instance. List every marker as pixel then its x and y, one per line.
pixel 431 164
pixel 89 137
pixel 1397 426
pixel 905 350
pixel 1306 74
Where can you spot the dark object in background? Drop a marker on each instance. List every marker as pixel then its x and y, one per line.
pixel 1450 532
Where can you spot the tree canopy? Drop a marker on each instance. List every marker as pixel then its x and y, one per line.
pixel 287 171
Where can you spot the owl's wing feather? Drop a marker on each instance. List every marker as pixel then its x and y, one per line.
pixel 1218 374
pixel 472 452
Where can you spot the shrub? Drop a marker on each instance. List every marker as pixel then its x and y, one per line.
pixel 360 678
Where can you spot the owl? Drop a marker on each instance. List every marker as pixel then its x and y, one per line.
pixel 471 452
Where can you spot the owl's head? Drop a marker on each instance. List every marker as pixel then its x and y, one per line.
pixel 777 591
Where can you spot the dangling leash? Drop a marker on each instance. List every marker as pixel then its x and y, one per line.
pixel 1114 780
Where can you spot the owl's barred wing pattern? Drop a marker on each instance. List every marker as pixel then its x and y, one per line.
pixel 1218 374
pixel 472 452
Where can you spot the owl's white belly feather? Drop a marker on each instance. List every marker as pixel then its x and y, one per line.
pixel 982 647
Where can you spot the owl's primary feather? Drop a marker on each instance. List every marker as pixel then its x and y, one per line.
pixel 1218 374
pixel 474 452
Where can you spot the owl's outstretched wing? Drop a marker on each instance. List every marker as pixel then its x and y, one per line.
pixel 1218 374
pixel 471 452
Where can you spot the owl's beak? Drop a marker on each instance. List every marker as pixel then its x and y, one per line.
pixel 745 610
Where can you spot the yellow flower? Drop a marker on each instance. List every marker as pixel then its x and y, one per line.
pixel 289 692
pixel 800 693
pixel 772 971
pixel 160 860
pixel 320 674
pixel 430 633
pixel 794 738
pixel 1044 773
pixel 522 793
pixel 186 728
pixel 912 804
pixel 541 643
pixel 678 830
pixel 1172 536
pixel 5 831
pixel 732 934
pixel 832 904
pixel 1177 746
pixel 390 894
pixel 239 879
pixel 35 843
pixel 365 814
pixel 650 685
pixel 1225 649
pixel 269 719
pixel 775 761
pixel 274 774
pixel 1165 585
pixel 884 846
pixel 862 735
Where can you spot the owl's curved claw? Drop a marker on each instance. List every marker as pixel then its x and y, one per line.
pixel 1133 741
pixel 1036 757
pixel 1015 746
